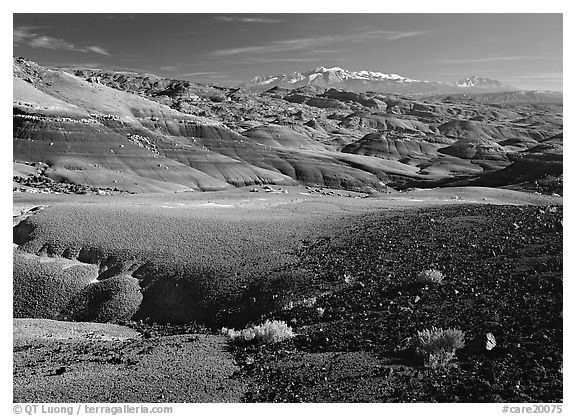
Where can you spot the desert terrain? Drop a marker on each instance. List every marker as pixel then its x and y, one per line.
pixel 154 218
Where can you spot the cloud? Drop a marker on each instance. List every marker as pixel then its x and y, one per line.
pixel 169 68
pixel 97 49
pixel 326 51
pixel 253 60
pixel 308 43
pixel 277 46
pixel 27 35
pixel 204 75
pixel 23 33
pixel 487 59
pixel 243 19
pixel 395 34
pixel 48 42
pixel 79 65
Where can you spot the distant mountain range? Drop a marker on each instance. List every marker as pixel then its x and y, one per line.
pixel 361 81
pixel 484 83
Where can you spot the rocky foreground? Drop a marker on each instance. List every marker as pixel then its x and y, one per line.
pixel 352 295
pixel 503 268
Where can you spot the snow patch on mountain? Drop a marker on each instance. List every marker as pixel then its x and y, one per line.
pixel 479 82
pixel 336 77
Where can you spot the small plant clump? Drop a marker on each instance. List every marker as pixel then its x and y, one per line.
pixel 431 276
pixel 437 346
pixel 309 302
pixel 306 303
pixel 268 332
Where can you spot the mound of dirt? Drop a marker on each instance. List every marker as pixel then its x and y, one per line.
pixel 43 286
pixel 475 148
pixel 393 147
pixel 383 121
pixel 528 173
pixel 460 129
pixel 281 136
pixel 115 299
pixel 348 96
pixel 191 258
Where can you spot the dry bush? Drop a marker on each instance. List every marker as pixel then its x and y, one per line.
pixel 437 346
pixel 306 303
pixel 430 276
pixel 268 332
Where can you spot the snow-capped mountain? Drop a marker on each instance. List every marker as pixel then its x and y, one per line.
pixel 322 77
pixel 479 82
pixel 360 81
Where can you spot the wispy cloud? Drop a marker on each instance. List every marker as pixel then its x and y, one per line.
pixel 23 33
pixel 79 65
pixel 204 75
pixel 253 60
pixel 308 43
pixel 97 49
pixel 27 35
pixel 326 51
pixel 48 42
pixel 487 59
pixel 394 34
pixel 244 19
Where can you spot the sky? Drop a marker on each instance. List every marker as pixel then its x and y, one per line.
pixel 522 50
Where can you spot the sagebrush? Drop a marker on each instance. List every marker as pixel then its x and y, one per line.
pixel 268 332
pixel 437 346
pixel 430 276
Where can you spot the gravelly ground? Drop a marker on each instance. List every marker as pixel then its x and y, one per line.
pixel 503 268
pixel 101 365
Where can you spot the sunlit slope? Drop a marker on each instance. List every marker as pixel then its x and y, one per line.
pixel 93 134
pixel 90 133
pixel 144 133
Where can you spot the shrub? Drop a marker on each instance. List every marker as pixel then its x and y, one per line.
pixel 348 278
pixel 268 332
pixel 430 276
pixel 309 302
pixel 437 346
pixel 306 303
pixel 439 359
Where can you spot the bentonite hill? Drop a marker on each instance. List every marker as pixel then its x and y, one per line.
pixel 155 219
